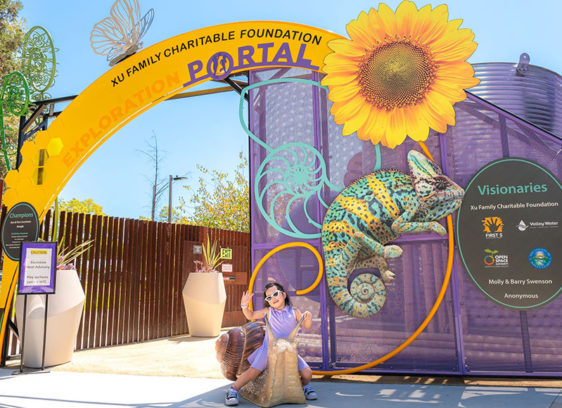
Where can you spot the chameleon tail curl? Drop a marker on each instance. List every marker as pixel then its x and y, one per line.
pixel 365 297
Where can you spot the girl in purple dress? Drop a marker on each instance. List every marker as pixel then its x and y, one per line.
pixel 282 318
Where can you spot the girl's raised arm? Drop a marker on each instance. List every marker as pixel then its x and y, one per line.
pixel 307 322
pixel 250 315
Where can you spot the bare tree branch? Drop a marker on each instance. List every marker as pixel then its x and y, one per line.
pixel 159 185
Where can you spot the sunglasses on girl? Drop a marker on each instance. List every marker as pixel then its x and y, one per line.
pixel 274 294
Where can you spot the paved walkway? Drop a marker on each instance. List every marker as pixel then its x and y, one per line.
pixel 71 390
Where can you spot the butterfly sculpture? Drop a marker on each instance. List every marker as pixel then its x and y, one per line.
pixel 119 35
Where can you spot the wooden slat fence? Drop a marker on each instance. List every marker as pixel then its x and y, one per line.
pixel 134 274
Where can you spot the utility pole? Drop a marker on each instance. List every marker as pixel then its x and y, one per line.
pixel 171 180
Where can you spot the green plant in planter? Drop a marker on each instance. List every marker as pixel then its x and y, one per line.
pixel 65 259
pixel 211 258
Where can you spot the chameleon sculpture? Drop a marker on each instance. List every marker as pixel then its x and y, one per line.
pixel 370 213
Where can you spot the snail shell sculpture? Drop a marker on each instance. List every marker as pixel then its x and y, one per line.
pixel 235 346
pixel 280 382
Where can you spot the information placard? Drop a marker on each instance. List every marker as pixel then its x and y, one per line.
pixel 38 268
pixel 509 233
pixel 21 224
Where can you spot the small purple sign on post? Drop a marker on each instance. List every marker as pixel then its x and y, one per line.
pixel 38 264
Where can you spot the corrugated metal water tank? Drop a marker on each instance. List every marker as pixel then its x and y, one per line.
pixel 528 91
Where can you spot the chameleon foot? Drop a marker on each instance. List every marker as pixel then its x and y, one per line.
pixel 438 228
pixel 387 276
pixel 392 251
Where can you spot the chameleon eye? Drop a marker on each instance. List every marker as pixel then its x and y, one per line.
pixel 441 184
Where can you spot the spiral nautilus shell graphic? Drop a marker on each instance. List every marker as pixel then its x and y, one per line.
pixel 288 178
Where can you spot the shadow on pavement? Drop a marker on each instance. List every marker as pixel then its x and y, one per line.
pixel 64 390
pixel 398 396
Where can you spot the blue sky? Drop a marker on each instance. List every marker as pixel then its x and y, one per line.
pixel 188 130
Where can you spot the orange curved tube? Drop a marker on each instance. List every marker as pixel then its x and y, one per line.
pixel 280 248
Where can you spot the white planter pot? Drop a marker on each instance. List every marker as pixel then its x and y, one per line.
pixel 204 297
pixel 63 320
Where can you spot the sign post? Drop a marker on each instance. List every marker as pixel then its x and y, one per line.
pixel 20 224
pixel 37 277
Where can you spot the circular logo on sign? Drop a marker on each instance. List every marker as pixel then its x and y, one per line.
pixel 540 258
pixel 220 65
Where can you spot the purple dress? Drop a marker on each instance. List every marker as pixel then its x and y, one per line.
pixel 282 323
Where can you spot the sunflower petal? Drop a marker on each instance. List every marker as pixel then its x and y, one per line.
pixel 433 120
pixel 384 138
pixel 352 125
pixel 338 67
pixel 362 133
pixel 455 69
pixel 346 47
pixel 452 93
pixel 442 106
pixel 405 17
pixel 457 74
pixel 416 127
pixel 432 24
pixel 337 79
pixel 440 110
pixel 360 31
pixel 343 111
pixel 365 131
pixel 387 20
pixel 344 93
pixel 457 46
pixel 419 25
pixel 378 126
pixel 440 14
pixel 396 132
pixel 459 53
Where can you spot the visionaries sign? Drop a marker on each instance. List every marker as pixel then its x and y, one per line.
pixel 509 227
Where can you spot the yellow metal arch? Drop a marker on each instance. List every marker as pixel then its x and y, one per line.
pixel 137 84
pixel 144 80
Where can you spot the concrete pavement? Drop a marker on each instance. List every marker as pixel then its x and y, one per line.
pixel 71 390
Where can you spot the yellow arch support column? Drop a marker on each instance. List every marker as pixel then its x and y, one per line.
pixel 134 86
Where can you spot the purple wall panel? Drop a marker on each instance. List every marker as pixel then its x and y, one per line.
pixel 469 333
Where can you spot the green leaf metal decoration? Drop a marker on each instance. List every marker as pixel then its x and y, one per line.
pixel 39 62
pixel 14 100
pixel 38 71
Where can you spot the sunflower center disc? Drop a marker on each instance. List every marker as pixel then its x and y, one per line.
pixel 395 75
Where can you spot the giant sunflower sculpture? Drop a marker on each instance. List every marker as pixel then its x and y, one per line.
pixel 399 73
